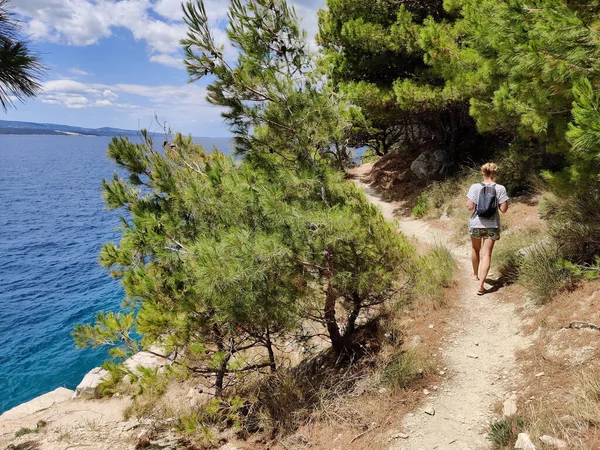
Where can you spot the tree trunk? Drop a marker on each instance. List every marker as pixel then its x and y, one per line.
pixel 351 322
pixel 222 369
pixel 220 377
pixel 454 135
pixel 269 346
pixel 337 341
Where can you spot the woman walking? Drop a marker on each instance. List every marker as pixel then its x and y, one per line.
pixel 485 199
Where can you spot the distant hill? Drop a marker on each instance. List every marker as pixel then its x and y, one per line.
pixel 13 127
pixel 51 129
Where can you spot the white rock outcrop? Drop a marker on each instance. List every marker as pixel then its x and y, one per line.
pixel 509 408
pixel 553 442
pixel 524 442
pixel 154 357
pixel 45 401
pixel 91 380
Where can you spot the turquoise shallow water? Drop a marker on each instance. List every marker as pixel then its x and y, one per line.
pixel 52 225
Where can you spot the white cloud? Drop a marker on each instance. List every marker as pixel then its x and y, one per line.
pixel 169 9
pixel 69 86
pixel 168 60
pixel 86 22
pixel 77 71
pixel 172 9
pixel 174 104
pixel 109 94
pixel 77 22
pixel 307 13
pixel 72 101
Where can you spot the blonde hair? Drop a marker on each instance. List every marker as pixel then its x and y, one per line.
pixel 489 170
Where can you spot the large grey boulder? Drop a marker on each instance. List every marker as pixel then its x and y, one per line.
pixel 150 359
pixel 527 251
pixel 429 164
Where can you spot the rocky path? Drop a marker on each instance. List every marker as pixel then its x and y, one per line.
pixel 479 353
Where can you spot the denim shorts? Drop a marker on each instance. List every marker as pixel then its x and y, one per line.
pixel 485 233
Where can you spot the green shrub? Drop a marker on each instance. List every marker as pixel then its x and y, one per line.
pixel 23 431
pixel 574 224
pixel 434 271
pixel 368 156
pixel 404 368
pixel 504 432
pixel 509 256
pixel 442 194
pixel 544 273
pixel 110 385
pixel 518 171
pixel 422 206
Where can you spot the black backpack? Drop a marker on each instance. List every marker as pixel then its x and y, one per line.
pixel 487 203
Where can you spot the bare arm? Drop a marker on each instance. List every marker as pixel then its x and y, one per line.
pixel 504 207
pixel 470 205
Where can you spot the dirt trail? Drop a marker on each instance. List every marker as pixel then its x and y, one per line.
pixel 479 352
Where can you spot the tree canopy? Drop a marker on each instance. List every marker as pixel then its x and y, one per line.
pixel 526 73
pixel 376 53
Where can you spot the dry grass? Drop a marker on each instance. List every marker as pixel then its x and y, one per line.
pixel 365 416
pixel 559 388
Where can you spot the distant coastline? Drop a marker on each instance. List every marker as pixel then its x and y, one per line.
pixel 15 128
pixel 37 133
pixel 11 127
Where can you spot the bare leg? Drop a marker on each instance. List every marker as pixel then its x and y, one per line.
pixel 486 259
pixel 476 247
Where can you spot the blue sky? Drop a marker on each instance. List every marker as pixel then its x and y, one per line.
pixel 118 63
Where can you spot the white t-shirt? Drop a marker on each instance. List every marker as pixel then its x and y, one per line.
pixel 481 222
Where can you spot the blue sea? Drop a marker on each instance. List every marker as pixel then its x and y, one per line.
pixel 53 223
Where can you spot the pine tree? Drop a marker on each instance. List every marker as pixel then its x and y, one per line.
pixel 219 257
pixel 276 103
pixel 286 115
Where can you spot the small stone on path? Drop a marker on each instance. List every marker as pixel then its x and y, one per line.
pixel 471 355
pixel 429 411
pixel 398 436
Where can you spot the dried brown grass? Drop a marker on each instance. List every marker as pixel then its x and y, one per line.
pixel 365 416
pixel 559 388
